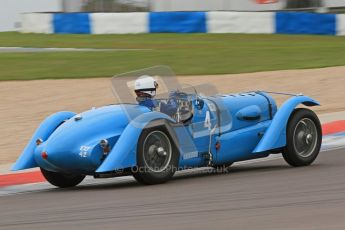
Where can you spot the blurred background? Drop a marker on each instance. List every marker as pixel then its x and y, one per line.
pixel 10 10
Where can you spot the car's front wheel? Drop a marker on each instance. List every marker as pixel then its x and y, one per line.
pixel 304 137
pixel 157 157
pixel 62 180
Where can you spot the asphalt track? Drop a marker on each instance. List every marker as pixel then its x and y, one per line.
pixel 262 195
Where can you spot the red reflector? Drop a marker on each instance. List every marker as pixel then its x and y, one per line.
pixel 44 155
pixel 217 145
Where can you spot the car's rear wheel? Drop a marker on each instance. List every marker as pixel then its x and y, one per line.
pixel 304 137
pixel 157 157
pixel 62 180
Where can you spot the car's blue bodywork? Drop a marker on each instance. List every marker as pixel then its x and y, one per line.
pixel 232 127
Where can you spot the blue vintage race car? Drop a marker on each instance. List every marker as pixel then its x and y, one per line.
pixel 131 139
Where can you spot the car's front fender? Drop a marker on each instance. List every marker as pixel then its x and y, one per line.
pixel 275 135
pixel 123 155
pixel 46 128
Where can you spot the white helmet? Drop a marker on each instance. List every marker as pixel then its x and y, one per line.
pixel 145 86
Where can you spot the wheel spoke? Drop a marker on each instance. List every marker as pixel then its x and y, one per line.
pixel 305 137
pixel 157 151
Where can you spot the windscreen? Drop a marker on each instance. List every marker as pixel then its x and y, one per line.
pixel 123 86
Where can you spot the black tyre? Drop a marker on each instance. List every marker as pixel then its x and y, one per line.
pixel 157 157
pixel 62 180
pixel 304 137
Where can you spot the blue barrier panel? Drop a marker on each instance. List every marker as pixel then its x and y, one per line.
pixel 177 22
pixel 71 23
pixel 305 23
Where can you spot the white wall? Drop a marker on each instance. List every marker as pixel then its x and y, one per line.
pixel 119 23
pixel 241 22
pixel 11 10
pixel 341 24
pixel 37 23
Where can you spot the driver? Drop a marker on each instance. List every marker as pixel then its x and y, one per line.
pixel 145 88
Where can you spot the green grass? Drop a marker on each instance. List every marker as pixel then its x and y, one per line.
pixel 186 53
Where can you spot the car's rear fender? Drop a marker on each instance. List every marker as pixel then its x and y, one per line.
pixel 46 128
pixel 123 154
pixel 275 136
